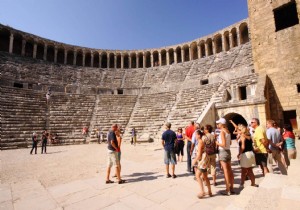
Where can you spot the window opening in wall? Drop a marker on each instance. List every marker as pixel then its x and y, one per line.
pixel 286 16
pixel 204 82
pixel 243 93
pixel 18 85
pixel 298 88
pixel 120 92
pixel 290 117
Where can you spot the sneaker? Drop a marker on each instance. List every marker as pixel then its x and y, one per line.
pixel 168 175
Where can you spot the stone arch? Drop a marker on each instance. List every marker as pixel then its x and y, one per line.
pixel 50 53
pixel 234 41
pixel 88 59
pixel 70 57
pixel 17 45
pixel 194 50
pixel 218 43
pixel 133 60
pixel 237 119
pixel 40 50
pixel 244 33
pixel 126 61
pixel 148 59
pixel 60 55
pixel 29 48
pixel 141 59
pixel 96 59
pixel 178 52
pixel 186 51
pixel 5 38
pixel 111 60
pixel 119 61
pixel 163 57
pixel 104 60
pixel 171 56
pixel 209 47
pixel 226 41
pixel 79 58
pixel 202 49
pixel 155 58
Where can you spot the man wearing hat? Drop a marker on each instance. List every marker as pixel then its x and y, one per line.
pixel 168 141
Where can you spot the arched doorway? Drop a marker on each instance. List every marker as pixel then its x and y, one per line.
pixel 237 119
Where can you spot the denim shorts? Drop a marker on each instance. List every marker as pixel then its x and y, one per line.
pixel 170 157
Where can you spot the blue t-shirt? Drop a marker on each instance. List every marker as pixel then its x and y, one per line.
pixel 111 137
pixel 274 135
pixel 169 138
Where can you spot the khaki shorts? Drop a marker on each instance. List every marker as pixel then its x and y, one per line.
pixel 212 164
pixel 113 159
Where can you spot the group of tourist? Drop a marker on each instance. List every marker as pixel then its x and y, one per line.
pixel 256 147
pixel 45 137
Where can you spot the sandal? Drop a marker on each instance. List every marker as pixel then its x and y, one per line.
pixel 174 176
pixel 168 175
pixel 109 182
pixel 209 194
pixel 200 195
pixel 121 181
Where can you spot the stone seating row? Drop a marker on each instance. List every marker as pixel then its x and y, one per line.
pixel 22 113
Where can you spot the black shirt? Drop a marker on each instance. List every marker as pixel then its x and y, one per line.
pixel 248 145
pixel 111 137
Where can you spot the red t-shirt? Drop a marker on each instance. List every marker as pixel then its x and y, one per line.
pixel 189 131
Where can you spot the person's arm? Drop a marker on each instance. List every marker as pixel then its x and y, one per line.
pixel 199 154
pixel 223 141
pixel 114 145
pixel 163 143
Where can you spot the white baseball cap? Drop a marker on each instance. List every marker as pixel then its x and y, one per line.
pixel 221 121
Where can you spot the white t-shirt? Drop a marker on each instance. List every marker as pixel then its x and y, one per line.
pixel 227 141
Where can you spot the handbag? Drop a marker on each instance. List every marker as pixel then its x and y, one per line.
pixel 203 163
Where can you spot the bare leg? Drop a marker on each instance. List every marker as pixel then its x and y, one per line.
pixel 205 178
pixel 243 175
pixel 251 176
pixel 167 169
pixel 173 169
pixel 226 175
pixel 107 173
pixel 200 182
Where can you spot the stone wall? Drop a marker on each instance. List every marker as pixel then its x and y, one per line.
pixel 276 54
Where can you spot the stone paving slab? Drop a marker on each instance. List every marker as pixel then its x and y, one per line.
pixel 146 187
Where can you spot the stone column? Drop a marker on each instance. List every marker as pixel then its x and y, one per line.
pixel 115 61
pixel 92 59
pixel 55 54
pixel 108 61
pixel 214 47
pixel 182 55
pixel 168 58
pixel 206 49
pixel 223 42
pixel 175 57
pixel 23 47
pixel 151 56
pixel 34 50
pixel 129 66
pixel 144 60
pixel 137 61
pixel 122 61
pixel 230 40
pixel 45 52
pixel 199 51
pixel 238 36
pixel 66 56
pixel 83 59
pixel 191 53
pixel 100 60
pixel 11 43
pixel 159 59
pixel 74 59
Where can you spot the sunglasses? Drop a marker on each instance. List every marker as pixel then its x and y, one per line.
pixel 253 122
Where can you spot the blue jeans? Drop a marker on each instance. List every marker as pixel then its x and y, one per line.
pixel 189 159
pixel 170 158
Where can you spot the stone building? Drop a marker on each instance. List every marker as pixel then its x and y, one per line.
pixel 246 70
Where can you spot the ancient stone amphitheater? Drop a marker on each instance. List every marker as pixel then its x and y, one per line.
pixel 200 80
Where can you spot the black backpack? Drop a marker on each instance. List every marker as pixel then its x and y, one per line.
pixel 210 145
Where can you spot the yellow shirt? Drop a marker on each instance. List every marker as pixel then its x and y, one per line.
pixel 259 134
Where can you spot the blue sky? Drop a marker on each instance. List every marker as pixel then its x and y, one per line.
pixel 122 24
